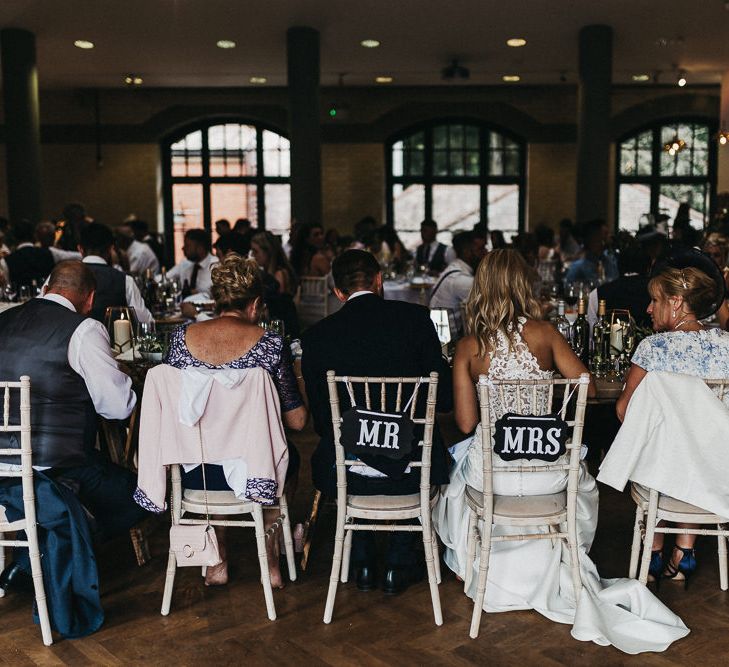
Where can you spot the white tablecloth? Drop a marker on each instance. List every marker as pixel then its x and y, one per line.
pixel 398 290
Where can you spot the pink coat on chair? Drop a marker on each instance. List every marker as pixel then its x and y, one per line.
pixel 243 422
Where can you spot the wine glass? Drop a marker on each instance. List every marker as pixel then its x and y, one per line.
pixel 277 326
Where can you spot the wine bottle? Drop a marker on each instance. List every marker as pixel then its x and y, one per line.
pixel 581 334
pixel 561 323
pixel 600 341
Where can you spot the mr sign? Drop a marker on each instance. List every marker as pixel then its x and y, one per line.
pixel 530 437
pixel 381 433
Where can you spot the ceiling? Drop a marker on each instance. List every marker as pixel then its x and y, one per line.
pixel 172 43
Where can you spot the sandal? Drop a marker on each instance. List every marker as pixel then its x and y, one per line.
pixel 683 570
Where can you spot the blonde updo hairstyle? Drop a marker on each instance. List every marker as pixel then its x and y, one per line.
pixel 698 290
pixel 502 292
pixel 236 283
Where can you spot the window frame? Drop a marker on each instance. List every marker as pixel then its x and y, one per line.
pixel 483 180
pixel 260 180
pixel 654 180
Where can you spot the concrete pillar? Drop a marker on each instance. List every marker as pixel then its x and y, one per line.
pixel 22 124
pixel 304 124
pixel 593 122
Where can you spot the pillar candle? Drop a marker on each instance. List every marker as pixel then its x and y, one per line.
pixel 122 335
pixel 616 337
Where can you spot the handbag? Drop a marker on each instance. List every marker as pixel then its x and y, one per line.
pixel 196 544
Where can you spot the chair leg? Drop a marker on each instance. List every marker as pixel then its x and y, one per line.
pixel 470 549
pixel 169 583
pixel 40 592
pixel 288 539
pixel 336 563
pixel 723 581
pixel 430 565
pixel 650 531
pixel 635 548
pixel 2 562
pixel 436 555
pixel 346 556
pixel 483 571
pixel 263 562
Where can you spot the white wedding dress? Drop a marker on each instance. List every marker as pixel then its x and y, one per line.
pixel 534 574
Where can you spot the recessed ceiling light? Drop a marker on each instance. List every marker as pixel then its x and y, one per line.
pixel 641 77
pixel 258 79
pixel 225 44
pixel 370 43
pixel 383 79
pixel 83 44
pixel 133 80
pixel 510 78
pixel 516 42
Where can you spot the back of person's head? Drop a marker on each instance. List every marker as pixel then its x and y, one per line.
pixel 233 242
pixel 699 291
pixel 45 234
pixel 502 292
pixel 497 239
pixel 124 236
pixel 242 225
pixel 237 282
pixel 432 224
pixel 24 232
pixel 96 239
pixel 633 258
pixel 354 270
pixel 222 226
pixel 463 243
pixel 364 227
pixel 140 228
pixel 201 236
pixel 73 279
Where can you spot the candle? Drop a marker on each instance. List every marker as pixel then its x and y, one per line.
pixel 122 335
pixel 616 337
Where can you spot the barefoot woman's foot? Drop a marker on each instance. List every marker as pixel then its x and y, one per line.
pixel 217 575
pixel 274 570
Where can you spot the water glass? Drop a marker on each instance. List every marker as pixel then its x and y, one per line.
pixel 277 326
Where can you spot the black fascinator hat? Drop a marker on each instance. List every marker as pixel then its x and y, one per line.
pixel 682 258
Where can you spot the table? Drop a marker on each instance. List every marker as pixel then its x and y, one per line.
pixel 403 290
pixel 607 392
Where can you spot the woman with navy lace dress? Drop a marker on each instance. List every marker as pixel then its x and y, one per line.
pixel 233 340
pixel 680 299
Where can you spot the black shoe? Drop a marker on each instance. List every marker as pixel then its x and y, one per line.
pixel 398 579
pixel 15 577
pixel 366 578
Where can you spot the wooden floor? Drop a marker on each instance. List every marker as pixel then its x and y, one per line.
pixel 228 626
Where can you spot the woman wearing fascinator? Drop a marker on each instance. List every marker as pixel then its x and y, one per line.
pixel 685 289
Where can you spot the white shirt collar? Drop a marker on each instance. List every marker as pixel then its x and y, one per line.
pixel 354 295
pixel 62 300
pixel 93 259
pixel 24 244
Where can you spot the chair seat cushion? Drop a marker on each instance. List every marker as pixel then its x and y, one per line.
pixel 641 495
pixel 214 497
pixel 522 507
pixel 391 503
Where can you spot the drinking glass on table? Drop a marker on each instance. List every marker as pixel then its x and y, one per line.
pixel 25 293
pixel 277 326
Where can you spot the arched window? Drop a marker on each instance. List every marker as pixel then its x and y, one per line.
pixel 663 166
pixel 457 172
pixel 226 170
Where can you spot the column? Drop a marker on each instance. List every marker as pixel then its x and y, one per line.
pixel 593 122
pixel 304 124
pixel 22 124
pixel 722 184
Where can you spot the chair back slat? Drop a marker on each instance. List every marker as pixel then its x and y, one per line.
pixel 398 398
pixel 6 407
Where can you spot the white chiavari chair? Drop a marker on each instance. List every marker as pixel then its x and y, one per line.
pixel 556 511
pixel 652 507
pixel 312 301
pixel 384 508
pixel 28 522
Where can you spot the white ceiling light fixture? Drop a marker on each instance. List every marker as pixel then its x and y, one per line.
pixel 370 43
pixel 516 42
pixel 133 80
pixel 383 79
pixel 225 44
pixel 258 80
pixel 83 44
pixel 641 77
pixel 511 78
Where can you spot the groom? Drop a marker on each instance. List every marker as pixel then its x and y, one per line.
pixel 369 336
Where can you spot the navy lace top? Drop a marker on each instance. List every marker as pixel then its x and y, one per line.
pixel 270 353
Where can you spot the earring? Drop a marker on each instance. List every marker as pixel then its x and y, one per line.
pixel 673 314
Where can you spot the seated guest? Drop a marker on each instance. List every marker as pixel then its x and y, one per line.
pixel 597 265
pixel 375 337
pixel 193 272
pixel 141 256
pixel 269 255
pixel 680 298
pixel 233 341
pixel 630 291
pixel 569 248
pixel 430 253
pixel 45 237
pixel 716 246
pixel 455 282
pixel 113 287
pixel 73 220
pixel 388 249
pixel 222 227
pixel 308 256
pixel 74 380
pixel 27 263
pixel 141 233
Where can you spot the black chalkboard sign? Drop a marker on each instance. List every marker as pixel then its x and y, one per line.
pixel 530 437
pixel 366 432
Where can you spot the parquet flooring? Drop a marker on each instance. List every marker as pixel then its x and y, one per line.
pixel 228 626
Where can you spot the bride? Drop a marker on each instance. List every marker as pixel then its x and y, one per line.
pixel 507 340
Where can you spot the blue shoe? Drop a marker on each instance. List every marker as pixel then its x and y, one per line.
pixel 685 567
pixel 655 569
